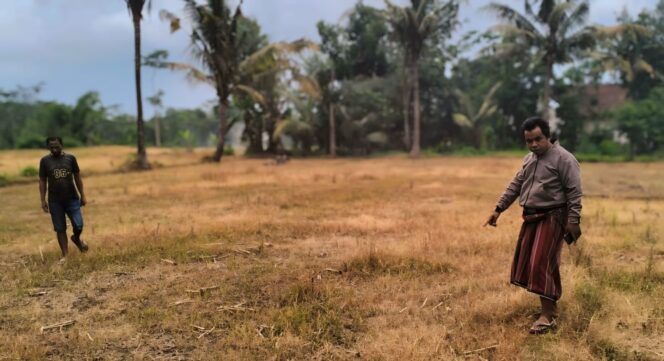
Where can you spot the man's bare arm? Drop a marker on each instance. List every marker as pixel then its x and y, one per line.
pixel 79 186
pixel 42 194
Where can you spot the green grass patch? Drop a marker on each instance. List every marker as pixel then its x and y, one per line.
pixel 589 300
pixel 633 282
pixel 319 315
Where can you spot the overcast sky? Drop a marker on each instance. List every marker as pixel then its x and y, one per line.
pixel 75 46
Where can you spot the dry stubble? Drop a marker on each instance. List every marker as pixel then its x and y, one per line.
pixel 418 277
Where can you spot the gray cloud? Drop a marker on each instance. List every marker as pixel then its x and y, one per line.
pixel 80 45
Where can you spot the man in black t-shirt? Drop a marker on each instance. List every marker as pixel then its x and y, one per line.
pixel 59 173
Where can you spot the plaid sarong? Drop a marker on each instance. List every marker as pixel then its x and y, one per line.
pixel 536 265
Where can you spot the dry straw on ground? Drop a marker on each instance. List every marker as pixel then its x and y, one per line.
pixel 371 259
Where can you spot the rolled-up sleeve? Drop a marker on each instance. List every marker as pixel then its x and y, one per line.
pixel 570 175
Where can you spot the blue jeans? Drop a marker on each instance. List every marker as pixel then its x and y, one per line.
pixel 72 208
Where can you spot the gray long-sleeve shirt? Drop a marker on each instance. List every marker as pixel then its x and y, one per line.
pixel 552 179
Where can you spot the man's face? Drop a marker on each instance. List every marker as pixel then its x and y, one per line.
pixel 55 147
pixel 536 141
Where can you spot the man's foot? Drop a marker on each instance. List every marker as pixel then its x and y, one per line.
pixel 537 315
pixel 542 326
pixel 62 260
pixel 82 246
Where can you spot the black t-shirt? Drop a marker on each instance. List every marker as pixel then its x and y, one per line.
pixel 59 171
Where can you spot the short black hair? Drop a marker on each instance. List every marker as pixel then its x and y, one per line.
pixel 534 122
pixel 52 138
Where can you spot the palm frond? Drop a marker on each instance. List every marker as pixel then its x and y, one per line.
pixel 292 127
pixel 506 50
pixel 173 20
pixel 465 102
pixel 135 7
pixel 643 66
pixel 512 16
pixel 309 86
pixel 608 32
pixel 193 74
pixel 545 9
pixel 488 107
pixel 513 31
pixel 559 14
pixel 577 18
pixel 462 120
pixel 581 40
pixel 251 92
pixel 280 128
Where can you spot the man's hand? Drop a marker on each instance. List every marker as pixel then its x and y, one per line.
pixel 44 206
pixel 574 229
pixel 493 218
pixel 84 201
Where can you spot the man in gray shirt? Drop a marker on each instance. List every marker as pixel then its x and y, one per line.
pixel 548 187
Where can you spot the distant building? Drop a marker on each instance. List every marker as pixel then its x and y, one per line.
pixel 597 101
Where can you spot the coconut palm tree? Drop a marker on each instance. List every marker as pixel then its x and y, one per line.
pixel 136 9
pixel 217 44
pixel 411 27
pixel 555 34
pixel 621 51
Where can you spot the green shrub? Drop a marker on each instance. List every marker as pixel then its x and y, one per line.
pixel 3 180
pixel 29 171
pixel 228 150
pixel 31 142
pixel 609 147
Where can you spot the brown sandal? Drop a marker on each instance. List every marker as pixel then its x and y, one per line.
pixel 542 328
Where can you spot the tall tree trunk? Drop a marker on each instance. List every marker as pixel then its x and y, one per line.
pixel 406 107
pixel 333 133
pixel 546 96
pixel 333 124
pixel 415 150
pixel 269 127
pixel 141 156
pixel 157 130
pixel 480 138
pixel 632 150
pixel 253 130
pixel 219 152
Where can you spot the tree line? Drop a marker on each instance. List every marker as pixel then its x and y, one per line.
pixel 27 122
pixel 396 78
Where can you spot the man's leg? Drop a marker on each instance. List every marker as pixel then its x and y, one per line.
pixel 548 310
pixel 62 241
pixel 547 320
pixel 76 218
pixel 76 238
pixel 57 211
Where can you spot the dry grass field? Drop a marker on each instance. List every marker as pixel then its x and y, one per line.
pixel 98 160
pixel 347 259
